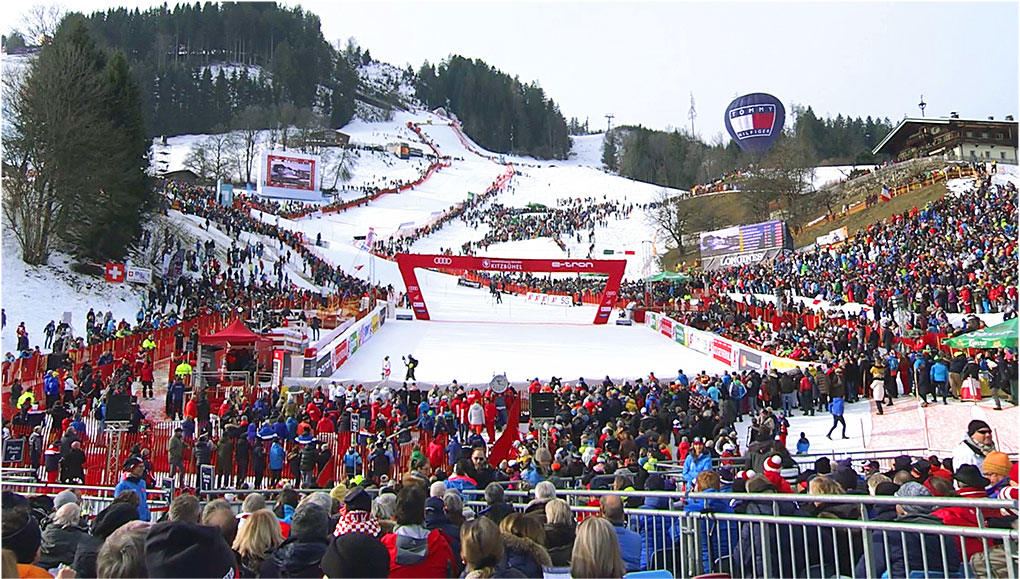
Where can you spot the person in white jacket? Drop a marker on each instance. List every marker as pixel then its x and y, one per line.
pixel 977 445
pixel 476 417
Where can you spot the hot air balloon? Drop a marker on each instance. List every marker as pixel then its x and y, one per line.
pixel 755 121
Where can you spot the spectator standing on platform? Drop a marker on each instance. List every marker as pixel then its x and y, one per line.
pixel 132 480
pixel 175 455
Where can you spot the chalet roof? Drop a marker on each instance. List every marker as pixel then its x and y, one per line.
pixel 910 124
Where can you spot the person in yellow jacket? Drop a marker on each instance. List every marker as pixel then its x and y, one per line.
pixel 26 397
pixel 183 370
pixel 148 344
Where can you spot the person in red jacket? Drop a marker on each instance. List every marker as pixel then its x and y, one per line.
pixel 490 419
pixel 325 425
pixel 414 550
pixel 146 377
pixel 773 465
pixel 436 452
pixel 969 485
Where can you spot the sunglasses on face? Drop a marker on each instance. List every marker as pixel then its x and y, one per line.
pixel 984 432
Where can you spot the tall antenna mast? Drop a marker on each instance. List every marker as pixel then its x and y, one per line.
pixel 692 114
pixel 921 105
pixel 609 123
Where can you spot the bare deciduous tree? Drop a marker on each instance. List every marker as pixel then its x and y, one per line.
pixel 41 20
pixel 677 219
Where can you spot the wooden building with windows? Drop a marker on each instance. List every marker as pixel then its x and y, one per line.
pixel 953 137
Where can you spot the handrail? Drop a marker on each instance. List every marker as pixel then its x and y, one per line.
pixel 988 503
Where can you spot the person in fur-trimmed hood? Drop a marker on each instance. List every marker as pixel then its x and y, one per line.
pixel 524 540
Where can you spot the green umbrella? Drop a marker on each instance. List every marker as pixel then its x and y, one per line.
pixel 1003 335
pixel 669 276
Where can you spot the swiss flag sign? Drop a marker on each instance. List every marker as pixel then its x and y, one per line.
pixel 114 272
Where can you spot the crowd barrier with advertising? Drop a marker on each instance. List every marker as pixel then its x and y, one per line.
pixel 734 355
pixel 338 351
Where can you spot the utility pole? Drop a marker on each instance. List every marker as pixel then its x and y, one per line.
pixel 921 105
pixel 692 114
pixel 609 123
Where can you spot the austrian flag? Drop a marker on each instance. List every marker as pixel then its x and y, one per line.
pixel 753 120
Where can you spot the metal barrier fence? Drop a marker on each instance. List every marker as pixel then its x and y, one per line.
pixel 93 498
pixel 694 533
pixel 772 538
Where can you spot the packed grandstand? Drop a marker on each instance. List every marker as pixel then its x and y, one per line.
pixel 131 457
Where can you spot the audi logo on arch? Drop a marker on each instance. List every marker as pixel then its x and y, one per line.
pixel 581 264
pixel 443 261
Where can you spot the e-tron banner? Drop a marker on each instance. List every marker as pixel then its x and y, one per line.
pixel 739 259
pixel 408 262
pixel 745 238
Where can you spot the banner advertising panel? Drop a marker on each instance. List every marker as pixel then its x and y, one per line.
pixel 699 341
pixel 722 351
pixel 739 259
pixel 666 327
pixel 749 360
pixel 680 334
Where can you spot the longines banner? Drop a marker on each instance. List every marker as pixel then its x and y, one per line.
pixel 739 259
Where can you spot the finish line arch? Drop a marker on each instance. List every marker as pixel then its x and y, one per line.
pixel 408 262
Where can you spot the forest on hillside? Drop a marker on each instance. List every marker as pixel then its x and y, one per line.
pixel 676 159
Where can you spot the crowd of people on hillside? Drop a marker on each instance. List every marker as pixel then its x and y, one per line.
pixel 570 218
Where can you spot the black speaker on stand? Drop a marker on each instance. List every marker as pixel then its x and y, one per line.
pixel 118 408
pixel 543 405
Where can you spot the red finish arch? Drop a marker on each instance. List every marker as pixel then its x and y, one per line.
pixel 408 262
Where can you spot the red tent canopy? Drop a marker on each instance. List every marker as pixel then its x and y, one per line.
pixel 236 334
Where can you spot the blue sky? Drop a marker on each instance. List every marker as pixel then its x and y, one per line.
pixel 640 61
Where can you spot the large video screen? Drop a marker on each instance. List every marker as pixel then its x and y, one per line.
pixel 739 239
pixel 290 172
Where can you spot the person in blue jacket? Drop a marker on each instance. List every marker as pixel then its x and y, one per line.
pixel 698 460
pixel 836 408
pixel 132 481
pixel 635 557
pixel 277 457
pixel 51 388
pixel 939 374
pixel 803 444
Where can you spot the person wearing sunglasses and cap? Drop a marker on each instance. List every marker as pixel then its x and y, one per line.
pixel 976 446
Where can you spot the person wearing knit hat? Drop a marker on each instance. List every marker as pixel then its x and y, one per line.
pixel 913 490
pixel 356 516
pixel 356 555
pixel 22 536
pixel 996 468
pixel 773 466
pixel 975 447
pixel 64 497
pixel 183 549
pixel 338 493
pixel 132 480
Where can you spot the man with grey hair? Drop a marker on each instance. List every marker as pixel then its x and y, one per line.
pixel 252 503
pixel 185 508
pixel 438 489
pixel 454 506
pixel 898 553
pixel 301 554
pixel 545 491
pixel 496 507
pixel 320 498
pixel 61 537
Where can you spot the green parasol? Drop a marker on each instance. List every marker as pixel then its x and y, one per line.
pixel 1003 335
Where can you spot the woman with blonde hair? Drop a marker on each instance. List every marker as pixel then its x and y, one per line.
pixel 596 553
pixel 481 550
pixel 256 540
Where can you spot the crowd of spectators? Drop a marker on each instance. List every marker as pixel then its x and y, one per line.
pixel 413 521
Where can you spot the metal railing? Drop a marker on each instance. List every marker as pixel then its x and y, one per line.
pixel 93 498
pixel 774 538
